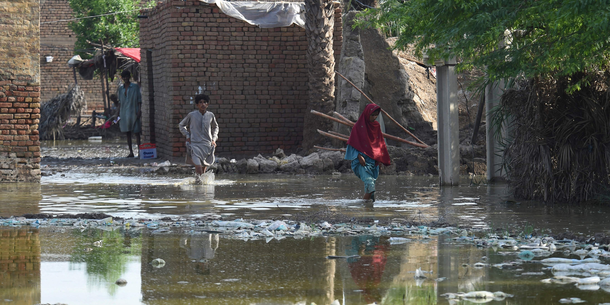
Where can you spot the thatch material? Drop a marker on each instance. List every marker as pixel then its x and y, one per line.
pixel 558 148
pixel 55 113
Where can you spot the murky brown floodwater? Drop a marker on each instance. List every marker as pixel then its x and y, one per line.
pixel 53 265
pixel 66 265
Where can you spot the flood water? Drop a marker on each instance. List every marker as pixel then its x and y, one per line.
pixel 68 265
pixel 51 265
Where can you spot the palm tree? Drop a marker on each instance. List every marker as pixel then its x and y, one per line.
pixel 319 26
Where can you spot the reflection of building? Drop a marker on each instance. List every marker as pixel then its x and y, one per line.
pixel 20 266
pixel 19 198
pixel 253 272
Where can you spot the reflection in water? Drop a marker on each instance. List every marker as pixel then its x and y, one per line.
pixel 105 255
pixel 19 198
pixel 206 269
pixel 20 266
pixel 367 269
pixel 200 249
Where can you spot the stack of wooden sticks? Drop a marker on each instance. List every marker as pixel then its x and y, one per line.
pixel 343 120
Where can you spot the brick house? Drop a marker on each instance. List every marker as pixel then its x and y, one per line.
pixel 57 41
pixel 19 91
pixel 257 78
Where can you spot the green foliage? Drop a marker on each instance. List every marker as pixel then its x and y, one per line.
pixel 119 30
pixel 506 38
pixel 106 262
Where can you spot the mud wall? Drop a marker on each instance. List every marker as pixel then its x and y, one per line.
pixel 256 78
pixel 57 40
pixel 19 90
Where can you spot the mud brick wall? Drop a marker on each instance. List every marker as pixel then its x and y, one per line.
pixel 57 40
pixel 256 78
pixel 20 266
pixel 19 91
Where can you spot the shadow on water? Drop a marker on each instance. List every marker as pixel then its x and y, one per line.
pixel 72 266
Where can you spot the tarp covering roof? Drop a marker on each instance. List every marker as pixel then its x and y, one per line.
pixel 133 53
pixel 264 14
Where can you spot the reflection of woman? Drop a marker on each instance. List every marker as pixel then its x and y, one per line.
pixel 368 269
pixel 199 249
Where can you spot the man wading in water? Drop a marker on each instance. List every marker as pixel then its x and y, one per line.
pixel 201 135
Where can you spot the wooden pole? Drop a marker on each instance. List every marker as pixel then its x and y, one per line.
pixel 326 134
pixel 331 149
pixel 351 124
pixel 338 134
pixel 338 115
pixel 102 75
pixel 346 123
pixel 383 111
pixel 477 123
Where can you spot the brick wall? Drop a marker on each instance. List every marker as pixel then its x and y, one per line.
pixel 256 78
pixel 20 266
pixel 19 91
pixel 57 40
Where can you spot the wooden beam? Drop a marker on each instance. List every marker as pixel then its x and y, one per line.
pixel 350 124
pixel 383 111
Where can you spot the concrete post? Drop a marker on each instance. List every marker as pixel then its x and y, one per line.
pixel 448 123
pixel 493 93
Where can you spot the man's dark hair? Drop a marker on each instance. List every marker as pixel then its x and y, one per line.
pixel 200 97
pixel 125 73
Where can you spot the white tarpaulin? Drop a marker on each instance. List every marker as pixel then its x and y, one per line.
pixel 264 14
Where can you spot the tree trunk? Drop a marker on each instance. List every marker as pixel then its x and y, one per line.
pixel 319 26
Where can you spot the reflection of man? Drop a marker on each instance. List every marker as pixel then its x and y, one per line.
pixel 368 269
pixel 199 249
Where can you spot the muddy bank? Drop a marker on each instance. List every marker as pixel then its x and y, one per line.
pixel 405 161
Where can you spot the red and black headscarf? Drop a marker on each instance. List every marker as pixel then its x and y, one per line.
pixel 366 137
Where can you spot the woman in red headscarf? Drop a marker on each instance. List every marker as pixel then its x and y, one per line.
pixel 366 148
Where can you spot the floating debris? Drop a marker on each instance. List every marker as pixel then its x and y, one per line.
pixel 477 296
pixel 526 255
pixel 420 274
pixel 158 263
pixel 571 301
pixel 342 256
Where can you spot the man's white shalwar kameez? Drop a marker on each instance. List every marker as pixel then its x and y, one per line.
pixel 203 129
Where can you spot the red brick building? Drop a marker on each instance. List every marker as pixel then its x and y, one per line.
pixel 256 77
pixel 19 91
pixel 57 41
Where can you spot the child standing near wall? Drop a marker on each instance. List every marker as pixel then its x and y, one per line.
pixel 201 131
pixel 366 148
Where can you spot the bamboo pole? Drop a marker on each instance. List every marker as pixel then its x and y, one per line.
pixel 326 134
pixel 383 111
pixel 338 134
pixel 346 123
pixel 351 124
pixel 340 116
pixel 328 148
